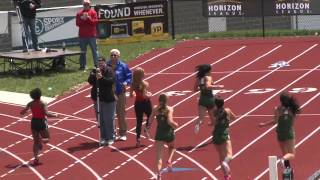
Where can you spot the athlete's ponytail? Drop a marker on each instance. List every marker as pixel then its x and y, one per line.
pixel 290 102
pixel 294 106
pixel 163 99
pixel 202 70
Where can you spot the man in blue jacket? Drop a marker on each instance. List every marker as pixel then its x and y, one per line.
pixel 123 81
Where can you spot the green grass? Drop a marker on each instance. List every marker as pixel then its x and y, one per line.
pixel 247 33
pixel 54 83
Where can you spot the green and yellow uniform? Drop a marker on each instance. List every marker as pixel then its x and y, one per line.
pixel 164 131
pixel 206 96
pixel 220 133
pixel 285 129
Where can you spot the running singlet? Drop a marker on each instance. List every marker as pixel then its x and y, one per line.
pixel 139 95
pixel 285 125
pixel 220 133
pixel 164 131
pixel 206 95
pixel 37 109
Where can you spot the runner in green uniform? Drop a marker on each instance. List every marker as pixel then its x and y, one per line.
pixel 220 135
pixel 284 117
pixel 205 84
pixel 164 132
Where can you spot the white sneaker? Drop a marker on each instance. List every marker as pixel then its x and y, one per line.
pixel 226 167
pixel 197 128
pixel 123 138
pixel 110 142
pixel 102 142
pixel 146 132
pixel 281 160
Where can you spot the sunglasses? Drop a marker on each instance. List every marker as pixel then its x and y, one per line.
pixel 113 55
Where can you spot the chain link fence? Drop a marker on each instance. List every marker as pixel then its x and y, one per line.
pixel 186 17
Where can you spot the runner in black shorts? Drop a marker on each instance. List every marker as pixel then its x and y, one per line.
pixel 284 117
pixel 205 84
pixel 39 125
pixel 220 135
pixel 164 132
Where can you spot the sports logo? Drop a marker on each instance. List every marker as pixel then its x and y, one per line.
pixel 225 8
pixel 287 7
pixel 39 26
pixel 46 24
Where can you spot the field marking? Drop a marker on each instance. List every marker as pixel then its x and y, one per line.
pixel 54 147
pixel 296 146
pixel 179 62
pixel 238 119
pixel 267 131
pixel 24 163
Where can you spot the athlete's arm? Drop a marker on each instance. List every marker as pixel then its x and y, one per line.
pixel 24 110
pixel 172 123
pixel 273 121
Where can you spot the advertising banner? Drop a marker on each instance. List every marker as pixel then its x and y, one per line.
pixel 53 26
pixel 291 7
pixel 253 8
pixel 233 8
pixel 132 22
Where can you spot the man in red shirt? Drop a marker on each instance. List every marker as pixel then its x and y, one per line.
pixel 87 20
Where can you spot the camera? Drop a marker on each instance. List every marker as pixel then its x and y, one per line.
pixel 95 70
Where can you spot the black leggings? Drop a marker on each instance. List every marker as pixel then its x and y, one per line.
pixel 141 107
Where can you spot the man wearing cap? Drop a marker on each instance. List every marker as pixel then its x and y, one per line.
pixel 123 81
pixel 87 21
pixel 104 79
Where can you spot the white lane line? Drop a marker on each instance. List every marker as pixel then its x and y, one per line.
pixel 95 140
pixel 187 157
pixel 237 70
pixel 156 56
pixel 192 74
pixel 59 149
pixel 261 78
pixel 244 71
pixel 192 160
pixel 266 132
pixel 24 163
pixel 219 60
pixel 93 119
pixel 179 62
pixel 242 67
pixel 296 146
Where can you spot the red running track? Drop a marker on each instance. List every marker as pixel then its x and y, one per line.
pixel 251 90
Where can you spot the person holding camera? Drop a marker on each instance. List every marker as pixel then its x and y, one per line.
pixel 87 21
pixel 28 13
pixel 102 80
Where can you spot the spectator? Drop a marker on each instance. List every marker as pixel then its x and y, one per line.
pixel 103 78
pixel 28 12
pixel 87 21
pixel 123 81
pixel 39 123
